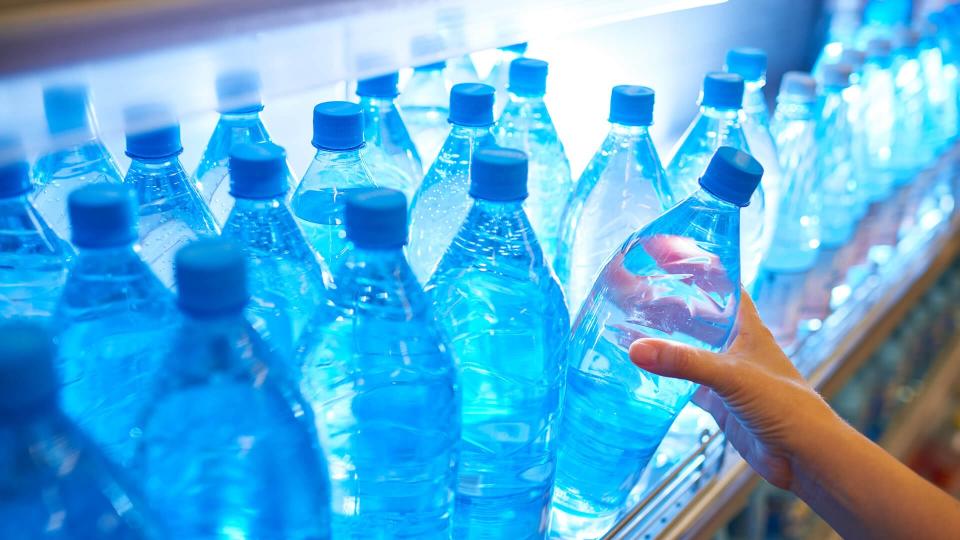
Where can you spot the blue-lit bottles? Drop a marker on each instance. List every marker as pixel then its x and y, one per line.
pixel 171 211
pixel 392 158
pixel 335 172
pixel 382 383
pixel 526 125
pixel 622 189
pixel 504 312
pixel 441 202
pixel 839 163
pixel 878 115
pixel 56 484
pixel 911 151
pixel 499 76
pixel 677 278
pixel 33 259
pixel 796 234
pixel 77 157
pixel 229 448
pixel 286 278
pixel 719 124
pixel 426 106
pixel 114 321
pixel 239 103
pixel 941 121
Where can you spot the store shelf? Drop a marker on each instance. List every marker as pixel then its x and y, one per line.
pixel 828 358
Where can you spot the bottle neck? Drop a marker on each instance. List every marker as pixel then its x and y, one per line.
pixel 258 205
pixel 240 118
pixel 377 103
pixel 214 325
pixel 720 114
pixel 526 99
pixel 705 197
pixel 149 166
pixel 754 101
pixel 497 209
pixel 625 132
pixel 338 158
pixel 378 259
pixel 791 109
pixel 115 260
pixel 471 133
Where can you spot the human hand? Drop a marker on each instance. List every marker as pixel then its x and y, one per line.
pixel 764 406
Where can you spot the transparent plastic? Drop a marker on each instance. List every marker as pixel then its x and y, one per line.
pixel 171 212
pixel 677 278
pixel 878 115
pixel 623 188
pixel 499 77
pixel 426 106
pixel 840 167
pixel 504 312
pixel 382 384
pixel 33 261
pixel 756 128
pixel 441 203
pixel 393 158
pixel 318 201
pixel 229 447
pixel 286 278
pixel 912 151
pixel 212 177
pixel 526 125
pixel 940 117
pixel 114 321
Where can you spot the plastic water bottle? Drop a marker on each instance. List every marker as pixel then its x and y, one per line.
pixel 114 321
pixel 623 188
pixel 382 384
pixel 840 166
pixel 425 105
pixel 441 203
pixel 286 277
pixel 878 115
pixel 941 113
pixel 229 448
pixel 796 235
pixel 912 152
pixel 56 484
pixel 393 158
pixel 172 213
pixel 719 123
pixel 239 103
pixel 499 76
pixel 677 278
pixel 336 171
pixel 526 125
pixel 751 64
pixel 33 259
pixel 77 157
pixel 500 303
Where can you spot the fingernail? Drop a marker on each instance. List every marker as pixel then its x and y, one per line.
pixel 643 354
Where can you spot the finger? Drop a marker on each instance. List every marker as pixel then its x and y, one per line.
pixel 672 359
pixel 750 329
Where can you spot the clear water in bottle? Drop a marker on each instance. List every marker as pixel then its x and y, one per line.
pixel 336 171
pixel 287 279
pixel 77 158
pixel 56 483
pixel 239 103
pixel 677 278
pixel 526 125
pixel 441 202
pixel 504 312
pixel 912 150
pixel 229 447
pixel 172 213
pixel 426 107
pixel 878 114
pixel 839 163
pixel 33 260
pixel 623 188
pixel 382 383
pixel 113 322
pixel 940 117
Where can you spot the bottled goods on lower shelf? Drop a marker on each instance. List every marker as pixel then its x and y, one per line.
pixel 343 364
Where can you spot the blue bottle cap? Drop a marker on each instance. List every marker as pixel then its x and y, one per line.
pixel 747 62
pixel 798 85
pixel 837 75
pixel 152 131
pixel 103 215
pixel 879 48
pixel 516 48
pixel 384 86
pixel 855 57
pixel 27 376
pixel 67 109
pixel 258 171
pixel 528 77
pixel 376 219
pixel 14 168
pixel 471 104
pixel 337 125
pixel 211 278
pixel 499 174
pixel 732 175
pixel 723 90
pixel 631 105
pixel 238 92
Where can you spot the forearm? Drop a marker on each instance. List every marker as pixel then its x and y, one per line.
pixel 863 492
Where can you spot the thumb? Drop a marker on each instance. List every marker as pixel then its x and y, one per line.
pixel 672 359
